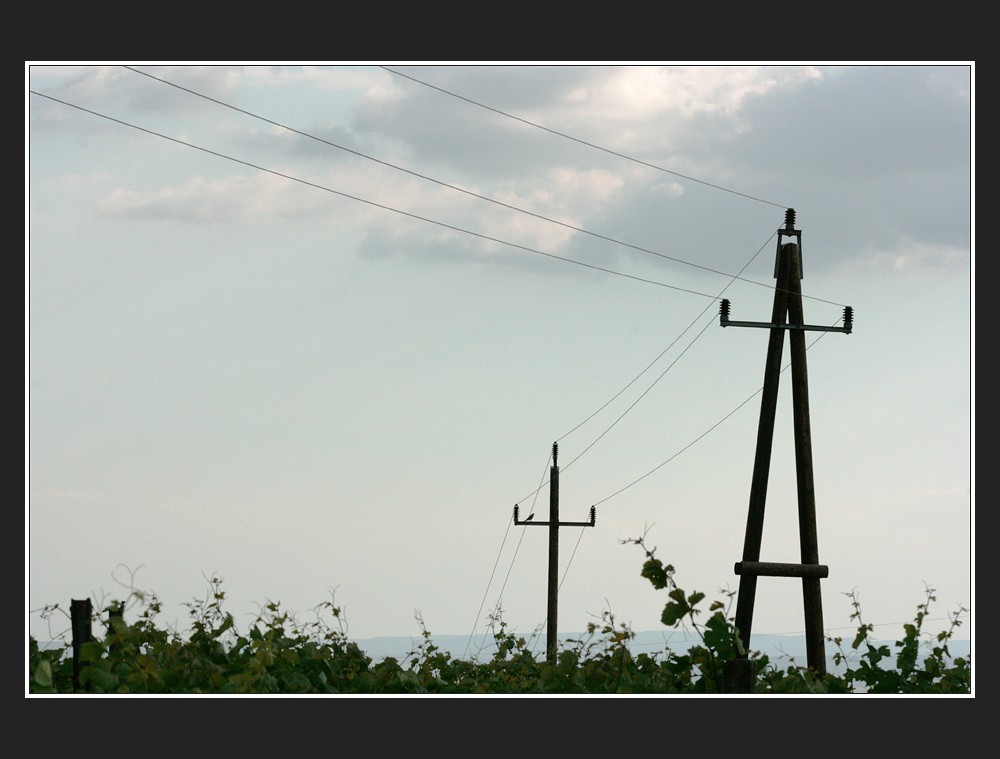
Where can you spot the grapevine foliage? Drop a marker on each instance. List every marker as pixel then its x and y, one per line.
pixel 278 654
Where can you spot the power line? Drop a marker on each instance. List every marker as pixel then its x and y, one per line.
pixel 635 482
pixel 582 142
pixel 509 523
pixel 650 366
pixel 371 202
pixel 645 392
pixel 321 187
pixel 622 416
pixel 446 184
pixel 292 178
pixel 486 592
pixel 693 322
pixel 656 468
pixel 634 403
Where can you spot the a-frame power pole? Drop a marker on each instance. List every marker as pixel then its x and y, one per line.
pixel 787 303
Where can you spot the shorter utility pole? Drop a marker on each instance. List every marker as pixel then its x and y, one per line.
pixel 551 642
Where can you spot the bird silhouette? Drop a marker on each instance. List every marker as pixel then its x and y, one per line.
pixel 530 517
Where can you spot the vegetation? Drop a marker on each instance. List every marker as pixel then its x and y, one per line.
pixel 279 654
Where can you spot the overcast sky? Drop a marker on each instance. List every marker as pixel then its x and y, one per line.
pixel 336 355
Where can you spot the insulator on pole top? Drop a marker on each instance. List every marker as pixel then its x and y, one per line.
pixel 790 219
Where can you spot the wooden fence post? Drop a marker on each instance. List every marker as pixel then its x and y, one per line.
pixel 80 613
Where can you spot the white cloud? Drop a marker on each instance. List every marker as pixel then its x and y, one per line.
pixel 234 200
pixel 910 255
pixel 688 90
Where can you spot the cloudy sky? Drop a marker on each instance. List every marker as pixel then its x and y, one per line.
pixel 314 327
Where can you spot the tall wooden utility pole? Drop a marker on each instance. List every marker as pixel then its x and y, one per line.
pixel 787 303
pixel 551 641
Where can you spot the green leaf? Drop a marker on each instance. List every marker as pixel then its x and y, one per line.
pixel 672 614
pixel 860 637
pixel 720 636
pixel 101 679
pixel 653 571
pixel 43 673
pixel 91 652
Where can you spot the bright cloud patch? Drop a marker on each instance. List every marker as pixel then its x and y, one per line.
pixel 234 200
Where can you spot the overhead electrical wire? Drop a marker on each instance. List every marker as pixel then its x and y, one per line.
pixel 436 181
pixel 693 322
pixel 456 187
pixel 370 202
pixel 634 380
pixel 530 213
pixel 737 277
pixel 702 435
pixel 281 174
pixel 582 142
pixel 707 325
pixel 686 447
pixel 352 197
pixel 512 559
pixel 489 238
pixel 659 168
pixel 678 453
pixel 492 575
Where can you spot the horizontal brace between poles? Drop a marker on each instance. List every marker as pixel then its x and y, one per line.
pixel 776 569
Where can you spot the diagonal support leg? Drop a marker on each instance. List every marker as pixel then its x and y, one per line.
pixel 762 459
pixel 808 541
